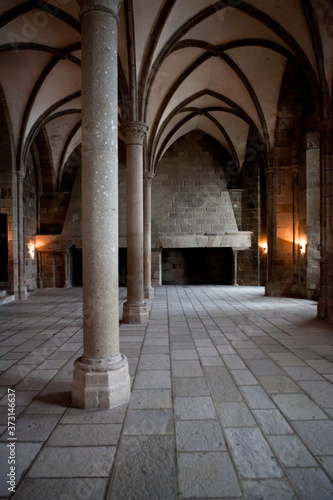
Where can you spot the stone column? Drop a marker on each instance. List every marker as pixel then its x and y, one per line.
pixel 101 378
pixel 135 309
pixel 270 286
pixel 235 270
pixel 147 181
pixel 22 289
pixel 325 303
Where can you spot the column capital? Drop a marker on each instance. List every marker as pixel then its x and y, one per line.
pixel 135 132
pixel 147 178
pixel 20 174
pixel 110 6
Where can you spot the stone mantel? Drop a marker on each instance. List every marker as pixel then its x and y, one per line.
pixel 240 240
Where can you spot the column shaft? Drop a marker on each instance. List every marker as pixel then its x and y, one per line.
pixel 135 309
pixel 101 377
pixel 147 182
pixel 235 270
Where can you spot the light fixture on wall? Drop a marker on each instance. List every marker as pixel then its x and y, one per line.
pixel 302 246
pixel 32 248
pixel 263 245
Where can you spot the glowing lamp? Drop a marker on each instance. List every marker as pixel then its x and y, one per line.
pixel 263 245
pixel 302 246
pixel 31 247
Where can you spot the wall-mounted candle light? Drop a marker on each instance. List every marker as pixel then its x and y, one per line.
pixel 31 247
pixel 263 245
pixel 302 246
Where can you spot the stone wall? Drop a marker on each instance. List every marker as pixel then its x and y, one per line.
pixel 29 226
pixel 189 193
pixel 7 197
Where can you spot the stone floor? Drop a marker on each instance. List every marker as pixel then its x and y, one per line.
pixel 232 398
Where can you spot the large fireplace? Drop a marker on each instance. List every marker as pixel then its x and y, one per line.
pixel 197 266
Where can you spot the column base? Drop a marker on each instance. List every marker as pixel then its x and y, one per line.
pixel 101 383
pixel 133 313
pixel 149 293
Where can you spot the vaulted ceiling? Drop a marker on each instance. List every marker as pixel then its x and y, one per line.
pixel 183 65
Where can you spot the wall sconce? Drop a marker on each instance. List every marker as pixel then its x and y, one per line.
pixel 263 245
pixel 302 246
pixel 31 247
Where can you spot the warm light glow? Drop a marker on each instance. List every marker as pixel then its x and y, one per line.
pixel 302 246
pixel 31 247
pixel 263 245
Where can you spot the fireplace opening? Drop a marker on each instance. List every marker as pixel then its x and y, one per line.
pixel 197 266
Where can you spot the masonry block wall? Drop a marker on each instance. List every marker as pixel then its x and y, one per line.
pixel 189 193
pixel 249 265
pixel 29 225
pixel 7 197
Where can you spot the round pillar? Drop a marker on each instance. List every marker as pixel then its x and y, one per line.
pixel 101 378
pixel 135 309
pixel 147 182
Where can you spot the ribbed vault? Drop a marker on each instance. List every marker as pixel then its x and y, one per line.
pixel 213 66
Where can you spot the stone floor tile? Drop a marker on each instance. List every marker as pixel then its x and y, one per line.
pixel 317 435
pixel 272 422
pixel 194 408
pixel 263 367
pixel 306 353
pixel 320 392
pixel 298 407
pixel 291 451
pixel 181 354
pixel 82 461
pixel 302 373
pixel 244 377
pixel 226 349
pixel 252 455
pixel 36 380
pixel 207 352
pixel 311 484
pixel 35 428
pixel 327 463
pixel 235 415
pixel 190 386
pixel 151 460
pixel 186 368
pixel 56 489
pixel 251 353
pixel 194 435
pixel 257 397
pixel 207 475
pixel 153 380
pixel 243 344
pixel 77 416
pixel 233 362
pixel 146 422
pixel 275 384
pixel 286 359
pixel 321 365
pixel 211 361
pixel 25 453
pixel 270 489
pixel 154 362
pixel 221 384
pixel 85 435
pixel 150 399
